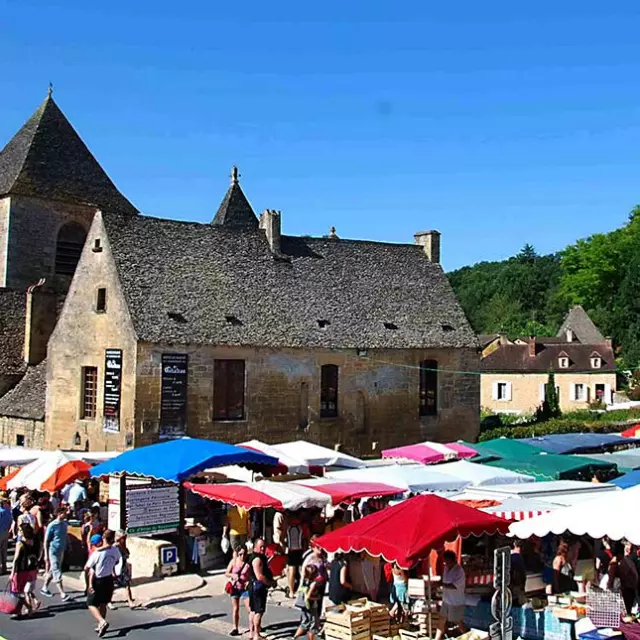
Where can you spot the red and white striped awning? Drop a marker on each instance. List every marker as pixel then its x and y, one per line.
pixel 516 515
pixel 262 494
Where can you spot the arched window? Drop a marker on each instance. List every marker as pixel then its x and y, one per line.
pixel 329 391
pixel 428 388
pixel 71 239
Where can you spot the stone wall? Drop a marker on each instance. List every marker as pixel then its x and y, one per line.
pixel 526 394
pixel 33 232
pixel 378 396
pixel 79 340
pixel 5 204
pixel 31 430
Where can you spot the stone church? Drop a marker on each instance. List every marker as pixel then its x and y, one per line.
pixel 120 329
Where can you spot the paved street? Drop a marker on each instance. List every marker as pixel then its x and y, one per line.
pixel 56 621
pixel 190 617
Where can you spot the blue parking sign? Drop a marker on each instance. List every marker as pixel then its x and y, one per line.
pixel 169 555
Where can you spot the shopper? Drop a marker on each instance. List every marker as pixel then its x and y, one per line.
pixel 311 593
pixel 123 569
pixel 518 574
pixel 76 497
pixel 24 573
pixel 100 571
pixel 261 580
pixel 238 573
pixel 340 588
pixel 279 527
pixel 6 522
pixel 563 581
pixel 453 597
pixel 55 544
pixel 295 548
pixel 622 575
pixel 236 526
pixel 399 596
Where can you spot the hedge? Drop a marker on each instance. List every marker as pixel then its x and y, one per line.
pixel 555 426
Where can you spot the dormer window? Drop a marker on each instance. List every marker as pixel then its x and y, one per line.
pixel 563 362
pixel 596 361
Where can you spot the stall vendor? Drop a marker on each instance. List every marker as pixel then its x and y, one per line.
pixel 453 594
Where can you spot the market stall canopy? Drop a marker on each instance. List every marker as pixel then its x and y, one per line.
pixel 430 452
pixel 628 480
pixel 614 515
pixel 632 432
pixel 177 460
pixel 262 494
pixel 5 479
pixel 286 463
pixel 544 467
pixel 409 477
pixel 558 492
pixel 18 456
pixel 563 443
pixel 407 532
pixel 625 463
pixel 315 455
pixel 348 490
pixel 499 448
pixel 49 472
pixel 479 474
pixel 521 508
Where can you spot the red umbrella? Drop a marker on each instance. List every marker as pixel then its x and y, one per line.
pixel 5 479
pixel 407 532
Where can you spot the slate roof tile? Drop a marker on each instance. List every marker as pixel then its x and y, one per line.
pixel 207 272
pixel 27 398
pixel 48 159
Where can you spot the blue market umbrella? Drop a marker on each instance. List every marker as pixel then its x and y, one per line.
pixel 177 460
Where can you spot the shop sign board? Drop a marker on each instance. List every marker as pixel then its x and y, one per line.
pixel 112 390
pixel 173 396
pixel 152 507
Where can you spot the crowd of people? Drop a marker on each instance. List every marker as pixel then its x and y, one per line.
pixel 38 524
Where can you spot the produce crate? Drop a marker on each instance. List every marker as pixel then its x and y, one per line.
pixel 345 623
pixel 405 634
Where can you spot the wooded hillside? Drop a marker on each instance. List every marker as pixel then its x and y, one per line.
pixel 530 294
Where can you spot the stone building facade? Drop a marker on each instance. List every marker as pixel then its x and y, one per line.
pixel 515 372
pixel 228 330
pixel 282 312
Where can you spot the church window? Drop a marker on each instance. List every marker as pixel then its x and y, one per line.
pixel 71 239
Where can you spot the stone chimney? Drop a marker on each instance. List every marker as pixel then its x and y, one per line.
pixel 503 339
pixel 270 222
pixel 532 346
pixel 430 241
pixel 39 323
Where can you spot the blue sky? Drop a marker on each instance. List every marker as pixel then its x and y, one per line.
pixel 497 123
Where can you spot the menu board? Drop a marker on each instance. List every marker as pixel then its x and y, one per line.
pixel 112 385
pixel 173 395
pixel 152 507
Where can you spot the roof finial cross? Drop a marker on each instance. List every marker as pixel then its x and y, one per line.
pixel 50 90
pixel 234 174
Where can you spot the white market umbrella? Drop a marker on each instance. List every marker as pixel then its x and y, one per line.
pixel 615 515
pixel 292 463
pixel 314 455
pixel 480 475
pixel 408 477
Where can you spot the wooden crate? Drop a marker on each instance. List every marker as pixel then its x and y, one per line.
pixel 343 623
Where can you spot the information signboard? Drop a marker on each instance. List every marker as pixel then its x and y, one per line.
pixel 173 395
pixel 112 387
pixel 152 507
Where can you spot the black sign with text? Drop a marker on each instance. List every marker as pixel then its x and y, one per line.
pixel 112 386
pixel 173 395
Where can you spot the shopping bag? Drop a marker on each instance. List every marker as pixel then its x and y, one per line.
pixel 301 599
pixel 605 608
pixel 10 603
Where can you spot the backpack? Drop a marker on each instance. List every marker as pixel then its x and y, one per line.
pixel 294 538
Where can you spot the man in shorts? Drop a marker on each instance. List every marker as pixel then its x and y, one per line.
pixel 453 598
pixel 55 543
pixel 261 580
pixel 100 570
pixel 295 549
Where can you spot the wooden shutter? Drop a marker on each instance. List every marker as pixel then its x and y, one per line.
pixel 228 390
pixel 494 391
pixel 509 391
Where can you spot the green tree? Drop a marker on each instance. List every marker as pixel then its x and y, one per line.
pixel 550 407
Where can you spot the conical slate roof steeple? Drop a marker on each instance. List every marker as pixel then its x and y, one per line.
pixel 235 210
pixel 48 159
